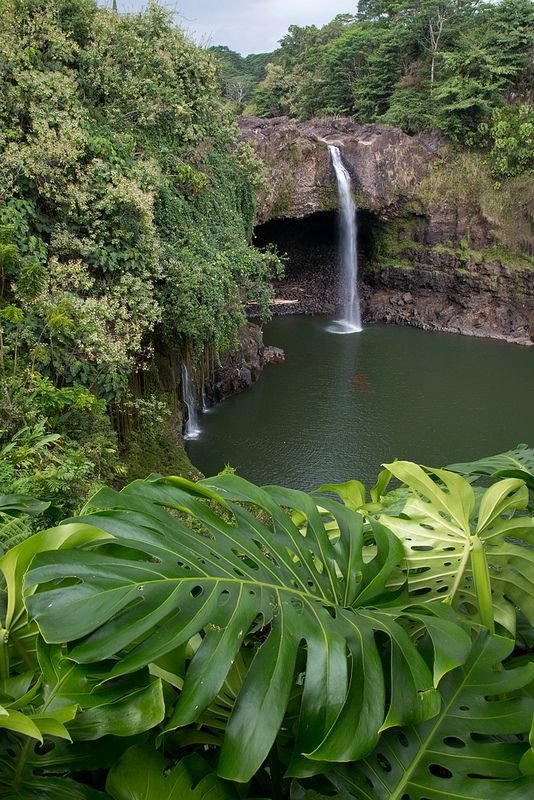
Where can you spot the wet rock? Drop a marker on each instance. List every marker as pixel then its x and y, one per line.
pixel 238 369
pixel 241 368
pixel 273 355
pixel 470 303
pixel 446 295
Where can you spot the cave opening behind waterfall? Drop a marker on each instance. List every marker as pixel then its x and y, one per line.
pixel 311 284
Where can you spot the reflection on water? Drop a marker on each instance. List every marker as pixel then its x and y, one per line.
pixel 340 406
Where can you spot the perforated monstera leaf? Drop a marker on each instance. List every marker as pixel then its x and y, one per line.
pixel 241 566
pixel 518 463
pixel 32 783
pixel 442 525
pixel 471 751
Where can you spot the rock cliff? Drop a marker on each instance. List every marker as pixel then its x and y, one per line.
pixel 443 248
pixel 237 369
pixel 386 164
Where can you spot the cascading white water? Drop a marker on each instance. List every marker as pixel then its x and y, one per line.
pixel 351 320
pixel 192 428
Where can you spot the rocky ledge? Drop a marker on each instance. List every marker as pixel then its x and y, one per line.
pixel 240 368
pixel 386 164
pixel 443 294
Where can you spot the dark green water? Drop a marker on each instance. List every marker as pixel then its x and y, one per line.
pixel 341 405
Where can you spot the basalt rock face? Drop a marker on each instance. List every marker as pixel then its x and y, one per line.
pixel 239 368
pixel 486 299
pixel 386 164
pixel 440 247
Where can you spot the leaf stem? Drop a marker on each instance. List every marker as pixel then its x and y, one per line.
pixel 20 763
pixel 482 583
pixel 460 572
pixel 4 656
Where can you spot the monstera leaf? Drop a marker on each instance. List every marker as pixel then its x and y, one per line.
pixel 518 463
pixel 243 575
pixel 37 724
pixel 471 751
pixel 20 780
pixel 124 708
pixel 457 540
pixel 44 696
pixel 17 643
pixel 144 774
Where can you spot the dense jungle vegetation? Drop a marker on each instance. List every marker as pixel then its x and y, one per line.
pixel 238 75
pixel 457 66
pixel 182 640
pixel 126 212
pixel 127 204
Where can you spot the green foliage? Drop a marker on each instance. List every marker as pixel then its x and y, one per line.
pixel 153 441
pixel 510 134
pixel 181 634
pixel 473 83
pixel 61 468
pixel 16 523
pixel 56 441
pixel 409 109
pixel 419 65
pixel 124 190
pixel 143 774
pixel 470 749
pixel 215 271
pixel 239 75
pixel 518 463
pixel 288 582
pixel 482 565
pixel 126 214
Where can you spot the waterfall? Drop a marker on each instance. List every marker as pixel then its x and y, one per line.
pixel 351 320
pixel 192 428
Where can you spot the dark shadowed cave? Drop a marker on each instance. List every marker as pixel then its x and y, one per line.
pixel 310 245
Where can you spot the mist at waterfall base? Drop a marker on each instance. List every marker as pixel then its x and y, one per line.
pixel 348 249
pixel 340 406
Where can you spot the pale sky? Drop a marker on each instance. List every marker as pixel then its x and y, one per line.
pixel 248 26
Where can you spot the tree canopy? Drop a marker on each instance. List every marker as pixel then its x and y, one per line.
pixel 451 65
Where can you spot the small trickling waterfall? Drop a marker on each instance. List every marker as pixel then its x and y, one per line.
pixel 351 320
pixel 192 428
